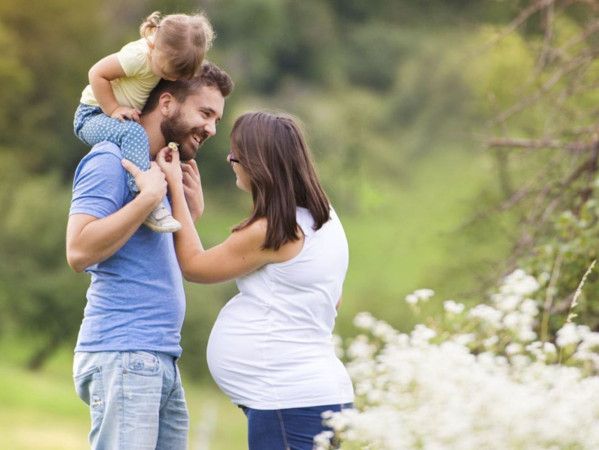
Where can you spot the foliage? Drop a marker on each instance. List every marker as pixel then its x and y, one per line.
pixel 472 378
pixel 39 291
pixel 539 77
pixel 50 64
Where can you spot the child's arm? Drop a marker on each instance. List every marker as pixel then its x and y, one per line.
pixel 100 76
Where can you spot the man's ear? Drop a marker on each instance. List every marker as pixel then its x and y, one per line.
pixel 166 103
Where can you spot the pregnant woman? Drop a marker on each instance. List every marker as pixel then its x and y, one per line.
pixel 271 349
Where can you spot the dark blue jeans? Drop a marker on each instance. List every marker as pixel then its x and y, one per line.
pixel 286 429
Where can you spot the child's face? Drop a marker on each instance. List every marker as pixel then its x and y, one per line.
pixel 159 65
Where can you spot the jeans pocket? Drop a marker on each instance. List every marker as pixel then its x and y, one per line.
pixel 141 363
pixel 84 370
pixel 88 385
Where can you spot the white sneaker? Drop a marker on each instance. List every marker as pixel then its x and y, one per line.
pixel 161 221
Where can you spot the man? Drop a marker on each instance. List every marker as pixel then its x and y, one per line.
pixel 125 365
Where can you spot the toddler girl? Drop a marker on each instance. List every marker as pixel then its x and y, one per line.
pixel 172 48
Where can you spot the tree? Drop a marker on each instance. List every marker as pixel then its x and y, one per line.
pixel 40 296
pixel 545 135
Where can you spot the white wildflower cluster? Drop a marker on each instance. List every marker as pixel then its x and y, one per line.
pixel 420 295
pixel 512 311
pixel 485 383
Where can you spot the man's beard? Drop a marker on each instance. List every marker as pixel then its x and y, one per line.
pixel 175 130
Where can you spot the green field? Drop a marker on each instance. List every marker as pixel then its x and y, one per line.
pixel 40 411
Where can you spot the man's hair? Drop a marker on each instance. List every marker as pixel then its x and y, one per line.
pixel 273 152
pixel 209 75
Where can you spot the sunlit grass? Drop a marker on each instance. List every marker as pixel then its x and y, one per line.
pixel 407 242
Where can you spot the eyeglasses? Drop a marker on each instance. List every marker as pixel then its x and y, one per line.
pixel 231 159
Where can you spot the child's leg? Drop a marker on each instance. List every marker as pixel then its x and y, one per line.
pixel 135 146
pixel 93 126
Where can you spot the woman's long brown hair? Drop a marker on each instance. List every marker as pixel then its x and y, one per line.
pixel 272 150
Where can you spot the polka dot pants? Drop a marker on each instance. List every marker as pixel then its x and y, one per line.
pixel 93 126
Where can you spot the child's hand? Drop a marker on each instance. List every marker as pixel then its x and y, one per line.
pixel 123 113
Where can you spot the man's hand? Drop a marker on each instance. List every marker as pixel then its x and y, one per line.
pixel 192 187
pixel 151 183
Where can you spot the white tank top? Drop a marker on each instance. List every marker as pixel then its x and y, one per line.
pixel 271 346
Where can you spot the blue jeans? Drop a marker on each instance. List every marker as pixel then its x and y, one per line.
pixel 136 400
pixel 286 429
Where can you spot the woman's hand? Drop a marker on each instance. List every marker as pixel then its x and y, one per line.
pixel 183 175
pixel 169 162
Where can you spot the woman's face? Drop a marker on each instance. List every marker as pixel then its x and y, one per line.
pixel 243 179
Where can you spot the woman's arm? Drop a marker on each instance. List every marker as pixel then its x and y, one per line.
pixel 100 76
pixel 238 255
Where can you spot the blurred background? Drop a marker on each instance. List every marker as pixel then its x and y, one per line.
pixel 455 139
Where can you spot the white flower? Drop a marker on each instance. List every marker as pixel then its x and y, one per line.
pixel 412 299
pixel 511 320
pixel 364 320
pixel 428 390
pixel 424 294
pixel 519 283
pixel 512 348
pixel 488 314
pixel 422 334
pixel 419 295
pixel 529 307
pixel 548 347
pixel 526 335
pixel 383 330
pixel 322 441
pixel 568 334
pixel 464 339
pixel 452 307
pixel 506 303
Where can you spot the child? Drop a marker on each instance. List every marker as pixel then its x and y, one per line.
pixel 119 84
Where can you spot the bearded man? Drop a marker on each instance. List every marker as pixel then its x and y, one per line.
pixel 125 364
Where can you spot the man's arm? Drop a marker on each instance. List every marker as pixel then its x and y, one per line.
pixel 91 240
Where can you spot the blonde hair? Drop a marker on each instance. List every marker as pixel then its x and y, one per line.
pixel 181 40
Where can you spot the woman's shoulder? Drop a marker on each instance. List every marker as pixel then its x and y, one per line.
pixel 251 235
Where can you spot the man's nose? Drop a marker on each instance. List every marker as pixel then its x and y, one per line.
pixel 211 128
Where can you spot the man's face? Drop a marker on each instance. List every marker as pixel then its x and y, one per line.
pixel 192 122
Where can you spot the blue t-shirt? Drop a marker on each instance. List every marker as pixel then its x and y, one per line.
pixel 135 300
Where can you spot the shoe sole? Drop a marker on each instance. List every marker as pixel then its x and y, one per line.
pixel 162 229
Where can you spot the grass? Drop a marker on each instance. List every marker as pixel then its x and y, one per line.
pixel 408 241
pixel 40 410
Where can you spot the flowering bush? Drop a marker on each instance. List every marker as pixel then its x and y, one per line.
pixel 475 378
